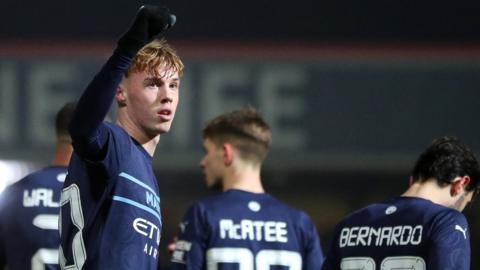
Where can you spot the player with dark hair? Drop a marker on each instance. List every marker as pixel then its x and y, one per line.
pixel 110 204
pixel 243 227
pixel 29 208
pixel 422 229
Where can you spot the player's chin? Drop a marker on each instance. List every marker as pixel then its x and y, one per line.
pixel 163 127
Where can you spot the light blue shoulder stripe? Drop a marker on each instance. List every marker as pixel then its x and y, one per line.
pixel 138 182
pixel 138 205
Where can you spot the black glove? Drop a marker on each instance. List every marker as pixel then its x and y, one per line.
pixel 150 22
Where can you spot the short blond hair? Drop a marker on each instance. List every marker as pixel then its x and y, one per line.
pixel 154 56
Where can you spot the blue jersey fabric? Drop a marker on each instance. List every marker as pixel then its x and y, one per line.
pixel 243 230
pixel 29 237
pixel 119 224
pixel 110 204
pixel 401 233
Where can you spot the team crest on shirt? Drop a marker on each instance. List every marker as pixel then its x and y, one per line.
pixel 390 210
pixel 61 177
pixel 254 206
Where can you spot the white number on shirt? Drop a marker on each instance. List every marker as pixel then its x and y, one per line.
pixel 44 255
pixel 247 261
pixel 71 195
pixel 389 263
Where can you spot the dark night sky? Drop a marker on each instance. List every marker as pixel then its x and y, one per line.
pixel 280 20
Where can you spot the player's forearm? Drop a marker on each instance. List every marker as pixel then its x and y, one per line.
pixel 95 102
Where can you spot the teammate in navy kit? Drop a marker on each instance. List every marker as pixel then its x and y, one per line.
pixel 243 227
pixel 110 204
pixel 422 229
pixel 29 208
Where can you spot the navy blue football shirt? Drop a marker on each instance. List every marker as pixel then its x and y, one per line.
pixel 110 204
pixel 111 209
pixel 243 230
pixel 401 233
pixel 29 208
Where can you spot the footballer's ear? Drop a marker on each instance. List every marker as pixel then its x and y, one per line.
pixel 121 94
pixel 459 184
pixel 228 154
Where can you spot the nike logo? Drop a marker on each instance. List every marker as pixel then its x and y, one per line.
pixel 464 231
pixel 183 226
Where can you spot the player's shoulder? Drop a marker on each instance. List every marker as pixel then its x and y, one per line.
pixel 114 129
pixel 422 209
pixel 210 201
pixel 449 216
pixel 369 212
pixel 357 214
pixel 199 208
pixel 293 212
pixel 236 200
pixel 235 197
pixel 429 210
pixel 40 178
pixel 49 170
pixel 120 137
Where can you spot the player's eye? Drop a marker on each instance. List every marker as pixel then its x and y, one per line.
pixel 153 82
pixel 150 83
pixel 174 85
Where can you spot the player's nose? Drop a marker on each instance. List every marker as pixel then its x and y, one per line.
pixel 164 95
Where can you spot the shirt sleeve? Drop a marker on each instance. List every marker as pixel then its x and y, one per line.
pixel 450 243
pixel 313 255
pixel 332 260
pixel 192 241
pixel 3 259
pixel 3 256
pixel 88 134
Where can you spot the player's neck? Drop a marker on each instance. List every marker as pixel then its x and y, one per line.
pixel 151 145
pixel 63 152
pixel 429 190
pixel 148 142
pixel 246 179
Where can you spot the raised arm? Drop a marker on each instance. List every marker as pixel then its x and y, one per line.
pixel 85 128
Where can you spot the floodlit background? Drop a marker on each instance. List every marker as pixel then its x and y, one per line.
pixel 354 90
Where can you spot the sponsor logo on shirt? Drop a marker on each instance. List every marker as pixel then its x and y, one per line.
pixel 464 231
pixel 153 201
pixel 150 231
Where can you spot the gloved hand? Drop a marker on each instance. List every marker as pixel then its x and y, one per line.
pixel 151 21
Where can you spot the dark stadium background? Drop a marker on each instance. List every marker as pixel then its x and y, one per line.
pixel 355 89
